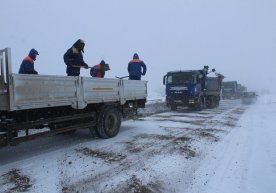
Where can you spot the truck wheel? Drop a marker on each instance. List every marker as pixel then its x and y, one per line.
pixel 108 123
pixel 199 105
pixel 211 103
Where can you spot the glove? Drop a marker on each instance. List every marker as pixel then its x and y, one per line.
pixel 106 67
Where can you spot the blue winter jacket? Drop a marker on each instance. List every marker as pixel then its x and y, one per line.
pixel 27 65
pixel 73 58
pixel 136 68
pixel 97 71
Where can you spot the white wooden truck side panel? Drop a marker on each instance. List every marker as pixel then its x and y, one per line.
pixel 97 90
pixel 37 91
pixel 134 89
pixel 40 91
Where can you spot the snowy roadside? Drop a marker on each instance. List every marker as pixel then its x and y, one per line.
pixel 245 161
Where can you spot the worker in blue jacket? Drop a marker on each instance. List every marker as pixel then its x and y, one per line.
pixel 204 73
pixel 73 58
pixel 99 69
pixel 27 65
pixel 136 68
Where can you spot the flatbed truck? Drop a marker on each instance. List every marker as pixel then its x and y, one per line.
pixel 41 105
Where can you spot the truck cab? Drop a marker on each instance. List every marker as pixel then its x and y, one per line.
pixel 184 88
pixel 229 90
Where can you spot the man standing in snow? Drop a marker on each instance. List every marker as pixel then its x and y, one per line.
pixel 99 70
pixel 135 67
pixel 73 58
pixel 27 65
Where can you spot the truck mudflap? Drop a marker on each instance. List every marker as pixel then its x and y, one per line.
pixel 212 101
pixel 197 103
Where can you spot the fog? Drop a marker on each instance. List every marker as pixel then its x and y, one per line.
pixel 236 37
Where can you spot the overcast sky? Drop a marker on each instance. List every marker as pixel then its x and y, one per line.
pixel 236 37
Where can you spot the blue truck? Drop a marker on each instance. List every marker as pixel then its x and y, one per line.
pixel 192 89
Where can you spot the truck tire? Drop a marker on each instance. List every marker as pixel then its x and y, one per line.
pixel 211 102
pixel 199 105
pixel 108 123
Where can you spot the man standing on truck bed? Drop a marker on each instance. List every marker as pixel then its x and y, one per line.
pixel 135 67
pixel 27 65
pixel 73 58
pixel 204 72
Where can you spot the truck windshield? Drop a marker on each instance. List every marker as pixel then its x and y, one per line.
pixel 180 78
pixel 229 84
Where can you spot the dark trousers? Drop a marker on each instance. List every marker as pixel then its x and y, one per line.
pixel 134 77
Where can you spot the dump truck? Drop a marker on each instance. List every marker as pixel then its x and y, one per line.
pixel 229 90
pixel 41 105
pixel 191 89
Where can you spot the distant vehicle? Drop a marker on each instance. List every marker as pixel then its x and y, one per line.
pixel 31 103
pixel 190 89
pixel 240 90
pixel 249 97
pixel 230 90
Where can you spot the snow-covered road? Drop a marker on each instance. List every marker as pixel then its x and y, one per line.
pixel 228 149
pixel 245 161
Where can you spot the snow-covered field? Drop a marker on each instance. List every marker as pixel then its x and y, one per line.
pixel 231 148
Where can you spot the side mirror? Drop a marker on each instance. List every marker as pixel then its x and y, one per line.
pixel 164 79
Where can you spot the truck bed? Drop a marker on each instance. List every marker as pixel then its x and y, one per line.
pixel 39 91
pixel 213 86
